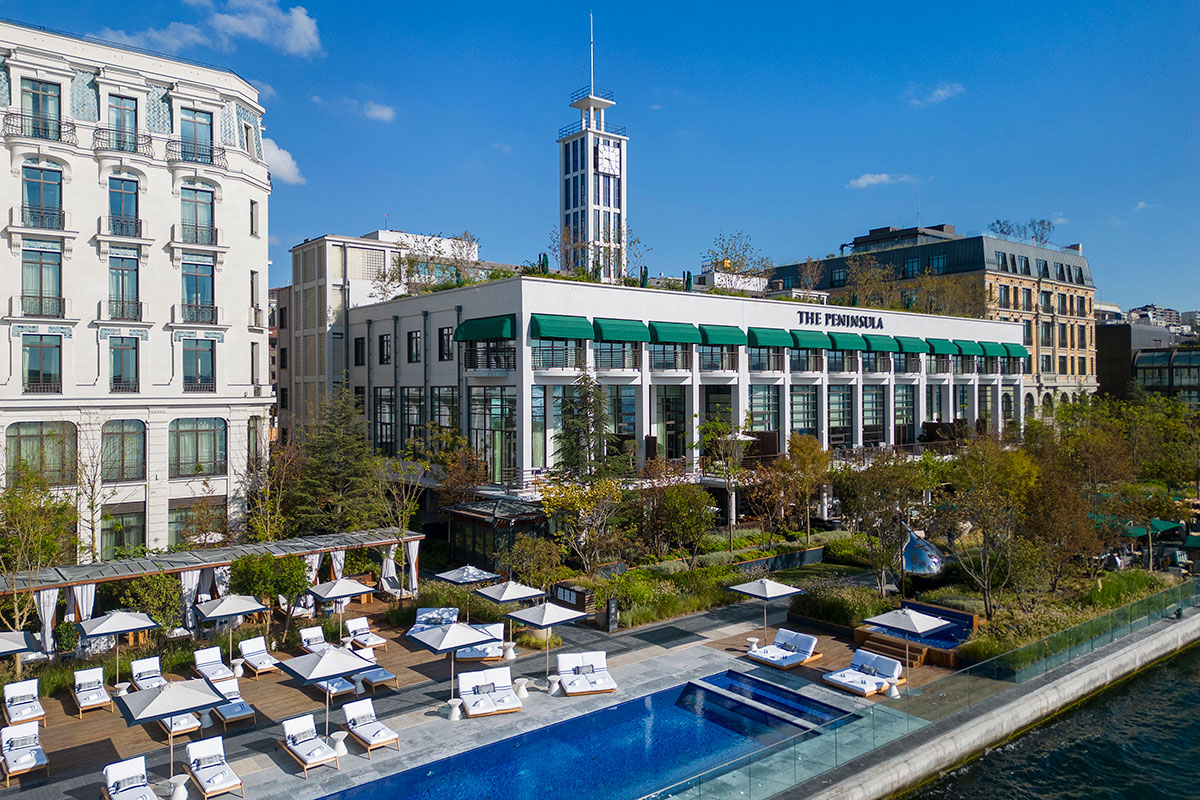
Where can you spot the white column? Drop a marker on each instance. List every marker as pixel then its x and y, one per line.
pixel 692 412
pixel 856 431
pixel 644 403
pixel 889 410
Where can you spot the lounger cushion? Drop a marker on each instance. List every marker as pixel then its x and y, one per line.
pixel 24 759
pixel 368 639
pixel 131 782
pixel 181 723
pixel 312 750
pixel 28 709
pixel 297 739
pixel 855 681
pixel 92 697
pixel 87 686
pixel 374 732
pixel 335 686
pixel 215 777
pixel 235 710
pixel 20 700
pixel 480 704
pixel 377 675
pixel 485 688
pixel 261 661
pixel 362 720
pixel 207 761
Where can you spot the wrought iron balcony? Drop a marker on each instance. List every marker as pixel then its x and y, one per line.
pixel 199 313
pixel 38 305
pixel 502 357
pixel 123 141
pixel 126 310
pixel 42 384
pixel 191 233
pixel 44 217
pixel 123 385
pixel 196 153
pixel 124 226
pixel 39 126
pixel 195 384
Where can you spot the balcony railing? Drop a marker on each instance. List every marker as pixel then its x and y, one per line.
pixel 908 363
pixel 42 384
pixel 807 361
pixel 670 360
pixel 124 226
pixel 503 357
pixel 719 361
pixel 126 310
pixel 558 357
pixel 37 305
pixel 123 141
pixel 989 365
pixel 196 153
pixel 193 384
pixel 764 362
pixel 576 127
pixel 123 385
pixel 877 362
pixel 618 358
pixel 842 361
pixel 38 126
pixel 964 365
pixel 255 317
pixel 940 365
pixel 43 217
pixel 191 233
pixel 198 313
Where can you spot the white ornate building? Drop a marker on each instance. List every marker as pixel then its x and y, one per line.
pixel 136 256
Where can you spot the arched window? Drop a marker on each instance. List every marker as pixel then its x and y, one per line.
pixel 196 447
pixel 1048 404
pixel 47 448
pixel 1006 406
pixel 123 450
pixel 1030 405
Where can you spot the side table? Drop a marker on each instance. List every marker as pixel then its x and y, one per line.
pixel 519 687
pixel 510 651
pixel 455 704
pixel 179 787
pixel 552 685
pixel 339 742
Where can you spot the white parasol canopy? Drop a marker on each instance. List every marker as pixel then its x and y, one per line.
pixel 765 589
pixel 115 623
pixel 546 615
pixel 466 575
pixel 334 662
pixel 168 700
pixel 232 605
pixel 450 639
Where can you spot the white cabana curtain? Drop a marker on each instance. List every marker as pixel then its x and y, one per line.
pixel 47 601
pixel 221 576
pixel 389 563
pixel 190 581
pixel 69 616
pixel 205 588
pixel 410 551
pixel 338 559
pixel 311 562
pixel 84 598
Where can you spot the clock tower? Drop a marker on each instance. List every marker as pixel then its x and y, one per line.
pixel 593 209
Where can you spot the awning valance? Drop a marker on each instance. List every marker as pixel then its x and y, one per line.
pixel 620 330
pixel 559 326
pixel 811 340
pixel 1016 350
pixel 942 347
pixel 879 343
pixel 993 349
pixel 768 337
pixel 674 333
pixel 847 341
pixel 968 347
pixel 727 335
pixel 503 326
pixel 912 344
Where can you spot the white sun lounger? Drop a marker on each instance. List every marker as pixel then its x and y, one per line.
pixel 433 617
pixel 126 780
pixel 210 666
pixel 377 676
pixel 237 709
pixel 180 724
pixel 21 703
pixel 488 691
pixel 301 742
pixel 868 674
pixel 585 673
pixel 146 673
pixel 360 629
pixel 366 730
pixel 790 649
pixel 89 691
pixel 312 640
pixel 254 652
pixel 299 611
pixel 22 749
pixel 208 769
pixel 489 651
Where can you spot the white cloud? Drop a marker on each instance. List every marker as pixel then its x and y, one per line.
pixel 502 147
pixel 265 90
pixel 378 111
pixel 1058 218
pixel 290 31
pixel 1142 205
pixel 272 239
pixel 938 94
pixel 877 179
pixel 283 165
pixel 656 107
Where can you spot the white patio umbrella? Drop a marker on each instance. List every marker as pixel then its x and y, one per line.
pixel 450 639
pixel 907 620
pixel 232 605
pixel 509 592
pixel 464 576
pixel 340 589
pixel 335 662
pixel 544 617
pixel 166 701
pixel 765 589
pixel 116 623
pixel 16 642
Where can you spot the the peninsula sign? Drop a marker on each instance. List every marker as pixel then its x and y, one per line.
pixel 831 319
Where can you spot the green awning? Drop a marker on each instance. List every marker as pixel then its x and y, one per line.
pixel 503 326
pixel 912 344
pixel 1016 350
pixel 722 335
pixel 559 326
pixel 969 348
pixel 942 347
pixel 674 333
pixel 1191 541
pixel 620 330
pixel 769 337
pixel 993 349
pixel 811 340
pixel 847 341
pixel 881 344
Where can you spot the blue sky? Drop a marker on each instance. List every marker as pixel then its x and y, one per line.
pixel 801 125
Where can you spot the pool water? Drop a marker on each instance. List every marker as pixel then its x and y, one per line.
pixel 781 699
pixel 626 751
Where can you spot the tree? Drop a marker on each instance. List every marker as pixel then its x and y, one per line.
pixel 207 521
pixel 459 469
pixel 535 560
pixel 337 488
pixel 769 486
pixel 36 532
pixel 584 513
pixel 736 254
pixel 646 513
pixel 90 490
pixel 267 485
pixel 266 577
pixel 991 492
pixel 724 442
pixel 810 472
pixel 809 274
pixel 1057 520
pixel 400 484
pixel 1040 231
pixel 584 448
pixel 871 283
pixel 689 513
pixel 1142 506
pixel 159 596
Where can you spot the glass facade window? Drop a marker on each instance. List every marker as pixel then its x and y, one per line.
pixel 41 109
pixel 670 422
pixel 199 365
pixel 717 358
pixel 41 198
pixel 804 360
pixel 764 407
pixel 963 395
pixel 123 303
pixel 935 402
pixel 492 418
pixel 444 400
pixel 445 344
pixel 841 416
pixel 557 354
pixel 198 303
pixel 360 351
pixel 121 530
pixel 385 348
pixel 912 267
pixel 841 360
pixel 412 415
pixel 1027 300
pixel 47 448
pixel 383 419
pixel 123 207
pixel 537 410
pixel 764 359
pixel 904 398
pixel 123 363
pixel 837 277
pixel 665 357
pixel 182 522
pixel 804 410
pixel 196 447
pixel 937 264
pixel 874 415
pixel 41 284
pixel 41 364
pixel 197 210
pixel 622 410
pixel 616 355
pixel 253 442
pixel 413 348
pixel 196 133
pixel 123 450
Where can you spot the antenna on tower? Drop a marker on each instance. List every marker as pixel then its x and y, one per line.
pixel 591 54
pixel 918 209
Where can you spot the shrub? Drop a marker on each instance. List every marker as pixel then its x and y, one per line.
pixel 361 561
pixel 719 558
pixel 954 597
pixel 839 602
pixel 1120 588
pixel 435 553
pixel 530 641
pixel 852 551
pixel 67 635
pixel 666 568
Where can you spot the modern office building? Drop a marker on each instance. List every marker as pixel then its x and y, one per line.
pixel 136 246
pixel 1153 314
pixel 1151 356
pixel 1047 290
pixel 497 359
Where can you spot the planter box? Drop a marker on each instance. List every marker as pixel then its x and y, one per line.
pixel 573 596
pixel 796 558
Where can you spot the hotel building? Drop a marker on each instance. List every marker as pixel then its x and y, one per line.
pixel 136 250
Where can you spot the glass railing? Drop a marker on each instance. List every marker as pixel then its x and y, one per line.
pixel 778 767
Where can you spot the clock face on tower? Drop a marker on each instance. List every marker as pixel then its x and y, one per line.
pixel 609 159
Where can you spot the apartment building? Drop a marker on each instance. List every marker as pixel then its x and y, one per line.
pixel 136 253
pixel 1046 289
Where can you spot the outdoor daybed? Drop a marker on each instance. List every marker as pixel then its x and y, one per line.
pixel 208 769
pixel 790 649
pixel 366 730
pixel 585 673
pixel 301 742
pixel 488 691
pixel 868 674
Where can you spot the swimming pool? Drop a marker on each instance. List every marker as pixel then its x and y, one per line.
pixel 628 750
pixel 785 700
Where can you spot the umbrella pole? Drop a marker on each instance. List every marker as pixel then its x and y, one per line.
pixel 118 680
pixel 326 713
pixel 451 674
pixel 549 636
pixel 764 621
pixel 171 739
